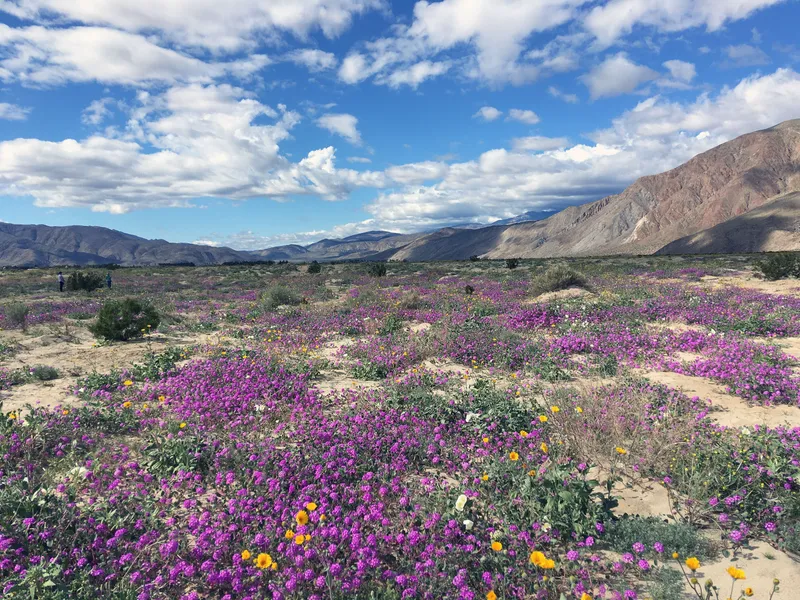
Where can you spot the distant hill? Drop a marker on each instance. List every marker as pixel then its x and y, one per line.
pixel 42 246
pixel 741 196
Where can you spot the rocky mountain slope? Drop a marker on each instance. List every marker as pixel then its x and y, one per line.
pixel 773 227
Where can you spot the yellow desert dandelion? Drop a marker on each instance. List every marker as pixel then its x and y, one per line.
pixel 497 546
pixel 301 517
pixel 693 563
pixel 736 573
pixel 513 456
pixel 311 507
pixel 127 383
pixel 264 561
pixel 491 595
pixel 246 555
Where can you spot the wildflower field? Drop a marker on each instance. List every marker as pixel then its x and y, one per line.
pixel 443 431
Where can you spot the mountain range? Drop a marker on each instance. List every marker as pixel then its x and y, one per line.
pixel 742 196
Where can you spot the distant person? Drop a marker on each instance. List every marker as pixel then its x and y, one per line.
pixel 108 280
pixel 60 281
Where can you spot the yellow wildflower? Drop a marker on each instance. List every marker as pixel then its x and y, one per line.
pixel 127 383
pixel 513 456
pixel 486 440
pixel 497 546
pixel 748 591
pixel 578 409
pixel 523 433
pixel 491 595
pixel 485 477
pixel 289 534
pixel 620 450
pixel 311 507
pixel 554 409
pixel 543 447
pixel 245 554
pixel 301 517
pixel 543 418
pixel 736 573
pixel 693 563
pixel 299 539
pixel 264 561
pixel 182 425
pixel 126 404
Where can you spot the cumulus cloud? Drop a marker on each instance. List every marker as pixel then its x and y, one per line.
pixel 40 56
pixel 557 93
pixel 192 141
pixel 210 24
pixel 359 159
pixel 314 60
pixel 616 75
pixel 341 124
pixel 416 74
pixel 536 143
pixel 97 112
pixel 524 116
pixel 13 112
pixel 488 113
pixel 612 20
pixel 681 70
pixel 744 55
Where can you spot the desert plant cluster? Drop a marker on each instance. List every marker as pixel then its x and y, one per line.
pixel 393 431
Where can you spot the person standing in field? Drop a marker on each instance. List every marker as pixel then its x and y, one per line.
pixel 60 281
pixel 108 279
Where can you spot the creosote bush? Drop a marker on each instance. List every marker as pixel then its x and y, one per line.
pixel 559 277
pixel 84 282
pixel 314 268
pixel 377 269
pixel 280 296
pixel 512 263
pixel 17 315
pixel 780 265
pixel 122 320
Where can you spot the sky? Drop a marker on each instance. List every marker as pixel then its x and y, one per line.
pixel 254 123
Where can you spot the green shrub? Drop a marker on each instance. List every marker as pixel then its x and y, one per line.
pixel 314 268
pixel 469 290
pixel 43 373
pixel 512 263
pixel 474 258
pixel 280 296
pixel 391 324
pixel 676 537
pixel 86 282
pixel 666 584
pixel 559 277
pixel 126 319
pixel 377 269
pixel 780 266
pixel 17 315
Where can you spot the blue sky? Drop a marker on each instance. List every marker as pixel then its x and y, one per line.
pixel 252 123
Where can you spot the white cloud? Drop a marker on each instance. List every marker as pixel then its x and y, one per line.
pixel 487 113
pixel 612 20
pixel 218 26
pixel 417 173
pixel 557 93
pixel 13 112
pixel 38 56
pixel 314 60
pixel 96 112
pixel 616 75
pixel 681 70
pixel 524 116
pixel 417 73
pixel 341 124
pixel 359 159
pixel 190 142
pixel 354 68
pixel 744 55
pixel 537 143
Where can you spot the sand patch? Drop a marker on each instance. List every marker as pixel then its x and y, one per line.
pixel 572 292
pixel 759 570
pixel 782 287
pixel 727 410
pixel 643 498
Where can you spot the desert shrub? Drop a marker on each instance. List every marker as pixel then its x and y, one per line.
pixel 474 258
pixel 559 277
pixel 780 265
pixel 122 320
pixel 677 537
pixel 666 584
pixel 410 301
pixel 158 366
pixel 469 290
pixel 280 296
pixel 391 324
pixel 314 268
pixel 86 282
pixel 167 455
pixel 377 269
pixel 512 263
pixel 44 373
pixel 17 314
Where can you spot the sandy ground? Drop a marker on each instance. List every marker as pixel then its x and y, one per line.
pixel 783 287
pixel 726 409
pixel 75 357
